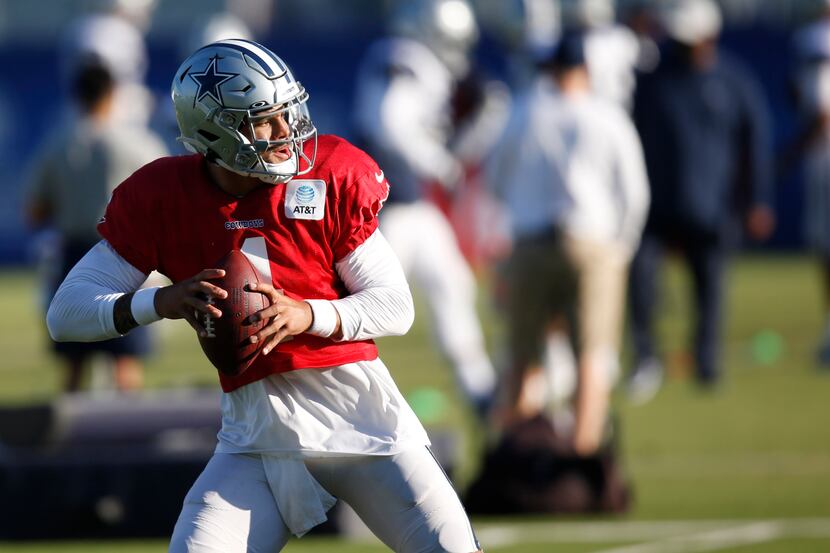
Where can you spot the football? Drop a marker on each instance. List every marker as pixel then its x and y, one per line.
pixel 227 343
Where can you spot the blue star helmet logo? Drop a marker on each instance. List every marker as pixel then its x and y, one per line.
pixel 209 81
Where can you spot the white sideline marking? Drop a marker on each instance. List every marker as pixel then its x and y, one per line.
pixel 679 536
pixel 748 534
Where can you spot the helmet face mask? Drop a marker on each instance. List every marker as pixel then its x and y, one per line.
pixel 221 90
pixel 251 149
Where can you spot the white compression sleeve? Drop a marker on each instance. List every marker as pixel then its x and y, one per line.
pixel 81 310
pixel 380 303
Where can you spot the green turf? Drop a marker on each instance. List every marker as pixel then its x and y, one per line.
pixel 756 448
pixel 789 546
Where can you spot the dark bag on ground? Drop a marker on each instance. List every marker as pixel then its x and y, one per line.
pixel 533 470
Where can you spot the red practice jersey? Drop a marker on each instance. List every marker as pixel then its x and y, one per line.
pixel 171 217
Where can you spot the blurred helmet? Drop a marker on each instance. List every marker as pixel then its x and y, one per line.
pixel 221 89
pixel 582 14
pixel 448 27
pixel 138 12
pixel 691 21
pixel 106 39
pixel 213 28
pixel 525 26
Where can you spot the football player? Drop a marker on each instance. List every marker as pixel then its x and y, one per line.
pixel 403 114
pixel 314 418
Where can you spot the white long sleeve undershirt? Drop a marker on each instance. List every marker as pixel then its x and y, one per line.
pixel 81 310
pixel 379 304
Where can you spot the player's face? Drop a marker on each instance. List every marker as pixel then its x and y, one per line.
pixel 273 126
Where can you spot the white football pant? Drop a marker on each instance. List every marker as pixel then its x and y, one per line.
pixel 406 500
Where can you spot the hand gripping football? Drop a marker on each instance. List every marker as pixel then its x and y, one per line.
pixel 227 343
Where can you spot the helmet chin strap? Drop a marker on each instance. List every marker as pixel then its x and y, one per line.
pixel 280 172
pixel 270 179
pixel 277 172
pixel 275 179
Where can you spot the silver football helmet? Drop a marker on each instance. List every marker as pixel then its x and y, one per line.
pixel 448 27
pixel 587 14
pixel 222 89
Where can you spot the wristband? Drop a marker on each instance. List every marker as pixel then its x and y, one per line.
pixel 142 307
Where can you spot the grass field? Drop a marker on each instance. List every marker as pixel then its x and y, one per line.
pixel 746 468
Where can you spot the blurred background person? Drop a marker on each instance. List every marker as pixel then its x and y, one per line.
pixel 640 17
pixel 612 50
pixel 525 31
pixel 480 106
pixel 403 113
pixel 71 180
pixel 571 173
pixel 706 137
pixel 812 145
pixel 612 54
pixel 112 35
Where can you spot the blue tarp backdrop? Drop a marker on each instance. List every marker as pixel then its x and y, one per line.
pixel 31 100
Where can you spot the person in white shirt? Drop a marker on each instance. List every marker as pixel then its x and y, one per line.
pixel 71 179
pixel 570 171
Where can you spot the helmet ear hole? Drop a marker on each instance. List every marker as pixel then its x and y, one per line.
pixel 209 136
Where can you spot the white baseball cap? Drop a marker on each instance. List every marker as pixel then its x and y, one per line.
pixel 691 21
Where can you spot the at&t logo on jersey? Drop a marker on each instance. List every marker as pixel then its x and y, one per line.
pixel 304 194
pixel 305 199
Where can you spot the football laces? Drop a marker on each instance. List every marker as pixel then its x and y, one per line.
pixel 207 321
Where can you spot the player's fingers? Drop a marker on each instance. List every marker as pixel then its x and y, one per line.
pixel 263 315
pixel 209 289
pixel 267 289
pixel 272 327
pixel 202 306
pixel 272 342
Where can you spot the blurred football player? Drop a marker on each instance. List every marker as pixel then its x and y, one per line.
pixel 314 418
pixel 526 31
pixel 403 114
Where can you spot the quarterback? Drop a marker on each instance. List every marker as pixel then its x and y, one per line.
pixel 316 417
